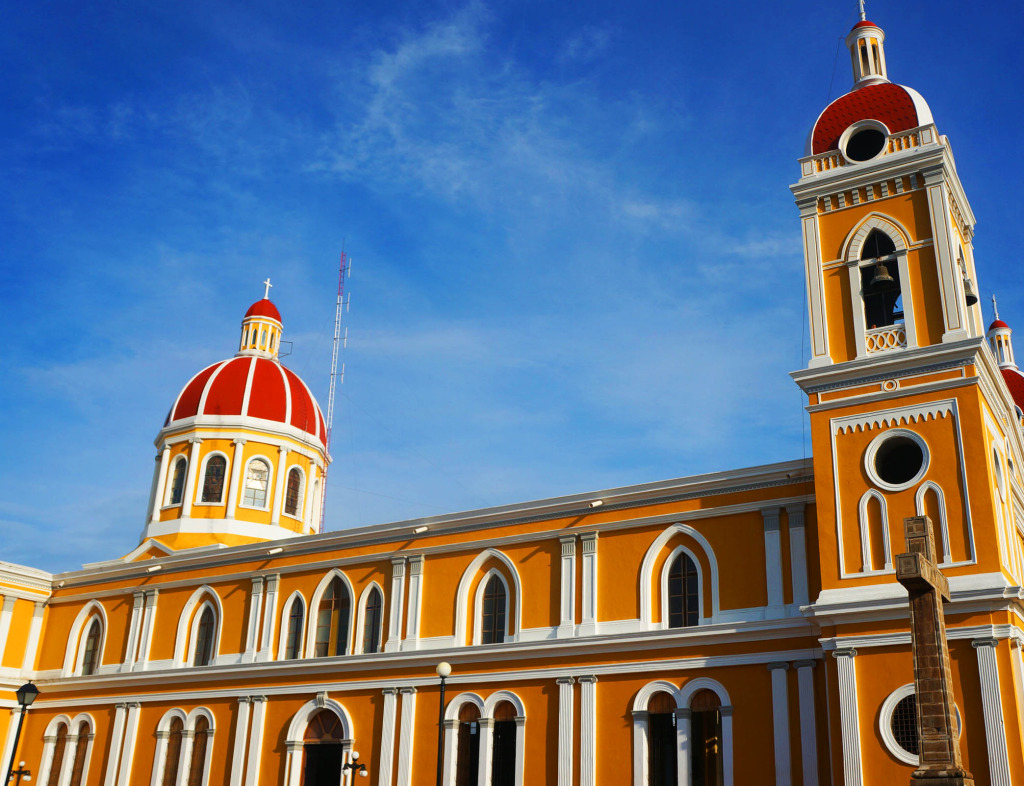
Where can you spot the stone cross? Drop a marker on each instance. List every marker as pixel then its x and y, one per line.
pixel 939 749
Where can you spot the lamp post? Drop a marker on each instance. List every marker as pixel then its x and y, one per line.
pixel 26 694
pixel 354 766
pixel 443 670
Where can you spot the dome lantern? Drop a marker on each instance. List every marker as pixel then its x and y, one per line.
pixel 865 44
pixel 261 328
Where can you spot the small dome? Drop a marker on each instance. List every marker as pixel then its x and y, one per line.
pixel 898 108
pixel 263 308
pixel 250 387
pixel 864 23
pixel 998 325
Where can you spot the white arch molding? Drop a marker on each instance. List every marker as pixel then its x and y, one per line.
pixel 462 609
pixel 865 531
pixel 282 644
pixel 74 726
pixel 360 619
pixel 666 569
pixel 188 623
pixel 486 735
pixel 297 728
pixel 74 652
pixel 942 523
pixel 647 573
pixel 202 479
pixel 314 605
pixel 683 696
pixel 163 730
pixel 478 606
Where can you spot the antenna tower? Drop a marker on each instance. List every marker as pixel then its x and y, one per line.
pixel 340 342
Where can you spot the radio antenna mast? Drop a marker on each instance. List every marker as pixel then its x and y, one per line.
pixel 340 342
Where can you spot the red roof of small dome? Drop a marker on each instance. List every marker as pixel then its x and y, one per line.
pixel 865 23
pixel 998 324
pixel 263 308
pixel 251 387
pixel 888 103
pixel 1015 382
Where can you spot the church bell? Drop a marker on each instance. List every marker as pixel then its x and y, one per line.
pixel 882 282
pixel 970 296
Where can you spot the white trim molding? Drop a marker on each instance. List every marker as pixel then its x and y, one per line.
pixel 463 610
pixel 647 574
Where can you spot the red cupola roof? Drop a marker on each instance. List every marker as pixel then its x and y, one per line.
pixel 263 308
pixel 898 108
pixel 1015 382
pixel 864 23
pixel 998 325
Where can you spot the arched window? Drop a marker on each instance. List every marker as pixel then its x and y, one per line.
pixel 293 492
pixel 204 638
pixel 683 593
pixel 332 619
pixel 662 767
pixel 503 769
pixel 324 749
pixel 57 760
pixel 173 756
pixel 706 733
pixel 200 742
pixel 880 281
pixel 468 764
pixel 91 656
pixel 81 753
pixel 492 619
pixel 371 621
pixel 257 481
pixel 296 616
pixel 213 480
pixel 177 490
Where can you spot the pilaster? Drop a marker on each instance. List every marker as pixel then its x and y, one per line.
pixel 780 723
pixel 396 605
pixel 412 618
pixel 190 477
pixel 773 561
pixel 567 621
pixel 992 709
pixel 808 727
pixel 406 736
pixel 798 554
pixel 588 623
pixel 848 718
pixel 588 730
pixel 387 738
pixel 565 730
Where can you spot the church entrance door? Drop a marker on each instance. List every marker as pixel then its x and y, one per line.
pixel 323 750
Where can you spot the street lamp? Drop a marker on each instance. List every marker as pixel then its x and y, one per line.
pixel 352 764
pixel 443 670
pixel 26 694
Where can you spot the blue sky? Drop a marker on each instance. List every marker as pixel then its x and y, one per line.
pixel 576 260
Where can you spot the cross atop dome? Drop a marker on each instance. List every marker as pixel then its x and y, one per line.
pixel 266 292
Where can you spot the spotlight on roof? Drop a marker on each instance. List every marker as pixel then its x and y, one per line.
pixel 597 503
pixel 420 530
pixel 154 568
pixel 60 583
pixel 275 550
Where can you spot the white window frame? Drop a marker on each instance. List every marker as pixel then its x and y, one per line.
pixel 865 534
pixel 650 561
pixel 942 523
pixel 314 606
pixel 202 479
pixel 282 647
pixel 70 751
pixel 300 508
pixel 74 652
pixel 666 569
pixel 478 607
pixel 171 468
pixel 360 644
pixel 467 611
pixel 270 483
pixel 188 626
pixel 485 731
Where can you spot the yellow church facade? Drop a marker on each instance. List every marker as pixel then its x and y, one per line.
pixel 743 627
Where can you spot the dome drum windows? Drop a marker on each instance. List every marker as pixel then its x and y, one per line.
pixel 294 486
pixel 176 488
pixel 214 476
pixel 256 485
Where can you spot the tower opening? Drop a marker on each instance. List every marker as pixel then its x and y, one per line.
pixel 880 281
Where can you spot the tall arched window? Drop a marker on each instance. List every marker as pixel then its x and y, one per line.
pixel 173 752
pixel 706 733
pixel 683 593
pixel 468 764
pixel 200 741
pixel 57 761
pixel 257 481
pixel 213 480
pixel 91 656
pixel 332 619
pixel 324 749
pixel 81 751
pixel 293 492
pixel 492 620
pixel 296 616
pixel 880 281
pixel 177 491
pixel 371 621
pixel 662 768
pixel 204 638
pixel 503 769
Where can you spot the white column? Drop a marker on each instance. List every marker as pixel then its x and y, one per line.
pixel 798 555
pixel 28 663
pixel 146 639
pixel 588 623
pixel 12 727
pixel 728 753
pixel 953 307
pixel 588 730
pixel 236 477
pixel 396 604
pixel 992 709
pixel 138 604
pixel 161 483
pixel 683 746
pixel 152 503
pixel 190 478
pixel 116 742
pixel 567 623
pixel 816 309
pixel 406 737
pixel 238 749
pixel 188 737
pixel 387 738
pixel 780 722
pixel 848 719
pixel 282 466
pixel 565 730
pixel 808 729
pixel 252 769
pixel 412 619
pixel 253 630
pixel 6 612
pixel 451 749
pixel 131 728
pixel 640 719
pixel 307 490
pixel 773 561
pixel 269 617
pixel 483 777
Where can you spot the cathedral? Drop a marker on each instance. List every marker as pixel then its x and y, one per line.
pixel 743 627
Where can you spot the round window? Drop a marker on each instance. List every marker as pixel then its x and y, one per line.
pixel 903 725
pixel 863 141
pixel 896 459
pixel 897 724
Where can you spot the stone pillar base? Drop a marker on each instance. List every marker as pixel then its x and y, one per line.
pixel 942 778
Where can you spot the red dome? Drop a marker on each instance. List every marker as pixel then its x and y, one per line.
pixel 1015 382
pixel 251 387
pixel 998 324
pixel 899 108
pixel 865 23
pixel 263 308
